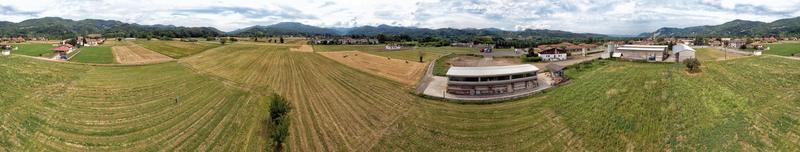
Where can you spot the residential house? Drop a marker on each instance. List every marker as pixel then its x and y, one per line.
pixel 61 52
pixel 553 54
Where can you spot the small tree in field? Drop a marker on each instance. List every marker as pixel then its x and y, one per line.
pixel 693 65
pixel 279 119
pixel 223 41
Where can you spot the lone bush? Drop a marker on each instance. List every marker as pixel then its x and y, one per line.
pixel 279 120
pixel 693 65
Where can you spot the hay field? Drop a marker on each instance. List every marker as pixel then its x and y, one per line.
pixel 34 49
pixel 303 48
pixel 406 72
pixel 429 53
pixel 747 104
pixel 49 106
pixel 337 108
pixel 135 54
pixel 176 49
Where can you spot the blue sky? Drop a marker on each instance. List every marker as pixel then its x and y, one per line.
pixel 592 16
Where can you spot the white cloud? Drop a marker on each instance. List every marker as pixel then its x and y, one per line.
pixel 596 16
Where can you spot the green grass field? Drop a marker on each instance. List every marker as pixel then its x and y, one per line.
pixel 746 104
pixel 94 54
pixel 33 49
pixel 783 49
pixel 176 49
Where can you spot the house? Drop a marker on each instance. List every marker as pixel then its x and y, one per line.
pixel 491 80
pixel 60 52
pixel 393 47
pixel 642 52
pixel 681 52
pixel 470 44
pixel 553 54
pixel 6 50
pixel 736 43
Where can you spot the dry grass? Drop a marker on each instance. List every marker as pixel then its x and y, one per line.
pixel 135 54
pixel 303 48
pixel 406 72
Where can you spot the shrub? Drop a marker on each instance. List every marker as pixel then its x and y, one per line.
pixel 279 120
pixel 531 59
pixel 693 65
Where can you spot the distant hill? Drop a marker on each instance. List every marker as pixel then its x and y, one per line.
pixel 291 28
pixel 284 28
pixel 735 28
pixel 54 27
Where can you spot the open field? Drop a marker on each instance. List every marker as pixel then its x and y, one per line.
pixel 67 107
pixel 713 54
pixel 34 49
pixel 747 104
pixel 303 48
pixel 623 106
pixel 783 49
pixel 399 70
pixel 135 54
pixel 429 53
pixel 176 49
pixel 337 108
pixel 94 54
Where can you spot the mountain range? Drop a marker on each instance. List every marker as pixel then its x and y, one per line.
pixel 54 27
pixel 736 28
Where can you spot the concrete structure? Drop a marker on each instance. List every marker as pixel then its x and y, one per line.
pixel 553 54
pixel 492 80
pixel 643 52
pixel 682 52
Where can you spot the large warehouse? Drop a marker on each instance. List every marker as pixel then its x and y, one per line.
pixel 491 80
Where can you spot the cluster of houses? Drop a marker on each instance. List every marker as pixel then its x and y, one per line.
pixel 345 41
pixel 559 52
pixel 20 39
pixel 90 40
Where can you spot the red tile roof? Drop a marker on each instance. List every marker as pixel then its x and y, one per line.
pixel 64 48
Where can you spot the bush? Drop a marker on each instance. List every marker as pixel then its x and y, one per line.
pixel 279 120
pixel 693 65
pixel 531 59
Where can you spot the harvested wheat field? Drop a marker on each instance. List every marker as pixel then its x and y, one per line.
pixel 406 72
pixel 135 54
pixel 303 48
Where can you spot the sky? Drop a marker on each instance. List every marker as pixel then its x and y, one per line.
pixel 617 17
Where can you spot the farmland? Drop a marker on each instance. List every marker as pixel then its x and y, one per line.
pixel 783 49
pixel 176 49
pixel 67 107
pixel 429 53
pixel 713 54
pixel 135 54
pixel 94 54
pixel 746 104
pixel 399 70
pixel 34 49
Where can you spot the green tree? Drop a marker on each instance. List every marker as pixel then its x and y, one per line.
pixel 279 118
pixel 281 39
pixel 693 65
pixel 223 41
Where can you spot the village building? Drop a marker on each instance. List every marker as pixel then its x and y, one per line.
pixel 469 45
pixel 553 54
pixel 393 47
pixel 491 80
pixel 61 52
pixel 736 43
pixel 681 52
pixel 642 52
pixel 6 50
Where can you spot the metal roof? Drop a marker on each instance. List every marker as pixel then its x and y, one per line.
pixel 645 46
pixel 491 70
pixel 641 49
pixel 681 48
